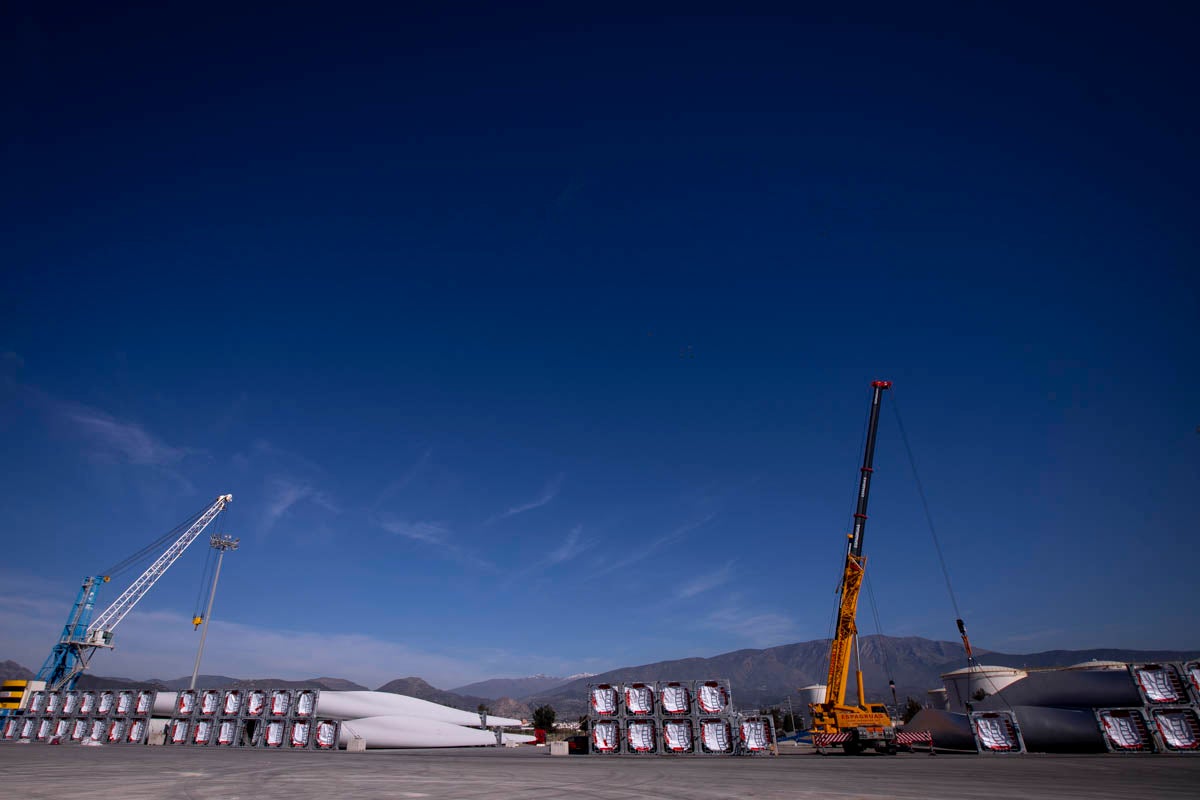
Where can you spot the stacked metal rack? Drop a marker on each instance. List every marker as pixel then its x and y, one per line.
pixel 285 719
pixel 274 719
pixel 96 717
pixel 1169 719
pixel 673 718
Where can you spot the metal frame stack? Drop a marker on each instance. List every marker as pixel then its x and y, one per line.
pixel 1160 684
pixel 119 717
pixel 1171 705
pixel 756 735
pixel 673 718
pixel 716 720
pixel 605 707
pixel 997 732
pixel 272 719
pixel 677 727
pixel 1126 730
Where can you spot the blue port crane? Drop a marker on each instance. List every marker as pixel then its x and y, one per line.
pixel 82 636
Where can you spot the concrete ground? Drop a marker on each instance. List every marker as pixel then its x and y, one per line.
pixel 35 771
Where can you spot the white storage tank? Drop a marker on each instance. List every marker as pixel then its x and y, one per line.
pixel 937 699
pixel 972 684
pixel 812 694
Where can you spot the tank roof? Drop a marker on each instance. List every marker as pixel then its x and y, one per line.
pixel 985 668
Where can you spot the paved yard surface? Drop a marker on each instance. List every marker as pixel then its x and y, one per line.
pixel 64 772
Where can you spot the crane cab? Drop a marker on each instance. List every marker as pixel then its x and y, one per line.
pixel 100 639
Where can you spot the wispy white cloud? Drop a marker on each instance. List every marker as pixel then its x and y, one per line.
pixel 703 583
pixel 429 532
pixel 437 535
pixel 162 644
pixel 644 551
pixel 128 440
pixel 549 492
pixel 284 493
pixel 405 479
pixel 107 439
pixel 570 548
pixel 758 629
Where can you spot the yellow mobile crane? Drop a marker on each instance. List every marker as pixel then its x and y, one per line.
pixel 863 725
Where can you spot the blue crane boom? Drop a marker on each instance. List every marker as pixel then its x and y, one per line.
pixel 81 636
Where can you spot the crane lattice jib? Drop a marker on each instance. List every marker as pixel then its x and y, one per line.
pixel 112 616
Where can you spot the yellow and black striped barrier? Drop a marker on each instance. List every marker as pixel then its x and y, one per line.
pixel 11 694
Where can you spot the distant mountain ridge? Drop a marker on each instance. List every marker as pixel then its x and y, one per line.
pixel 12 671
pixel 495 688
pixel 417 687
pixel 771 675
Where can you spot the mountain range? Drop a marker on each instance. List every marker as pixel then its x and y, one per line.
pixel 496 688
pixel 758 678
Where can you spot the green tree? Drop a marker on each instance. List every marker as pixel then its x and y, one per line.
pixel 543 717
pixel 912 707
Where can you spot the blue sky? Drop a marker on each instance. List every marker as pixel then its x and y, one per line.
pixel 540 340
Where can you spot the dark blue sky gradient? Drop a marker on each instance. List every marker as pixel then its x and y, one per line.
pixel 428 267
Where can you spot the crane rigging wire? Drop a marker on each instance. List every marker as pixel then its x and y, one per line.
pixel 206 577
pixel 883 648
pixel 154 547
pixel 210 563
pixel 937 545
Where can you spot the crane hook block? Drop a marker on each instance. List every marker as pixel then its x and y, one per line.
pixel 196 621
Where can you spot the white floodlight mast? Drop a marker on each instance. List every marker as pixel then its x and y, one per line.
pixel 112 616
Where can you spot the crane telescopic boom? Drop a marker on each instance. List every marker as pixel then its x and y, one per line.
pixel 81 636
pixel 859 724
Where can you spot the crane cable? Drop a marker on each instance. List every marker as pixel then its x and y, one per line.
pixel 937 545
pixel 153 547
pixel 206 575
pixel 883 648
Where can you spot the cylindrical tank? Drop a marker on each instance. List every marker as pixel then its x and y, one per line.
pixel 937 699
pixel 812 694
pixel 972 684
pixel 1068 688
